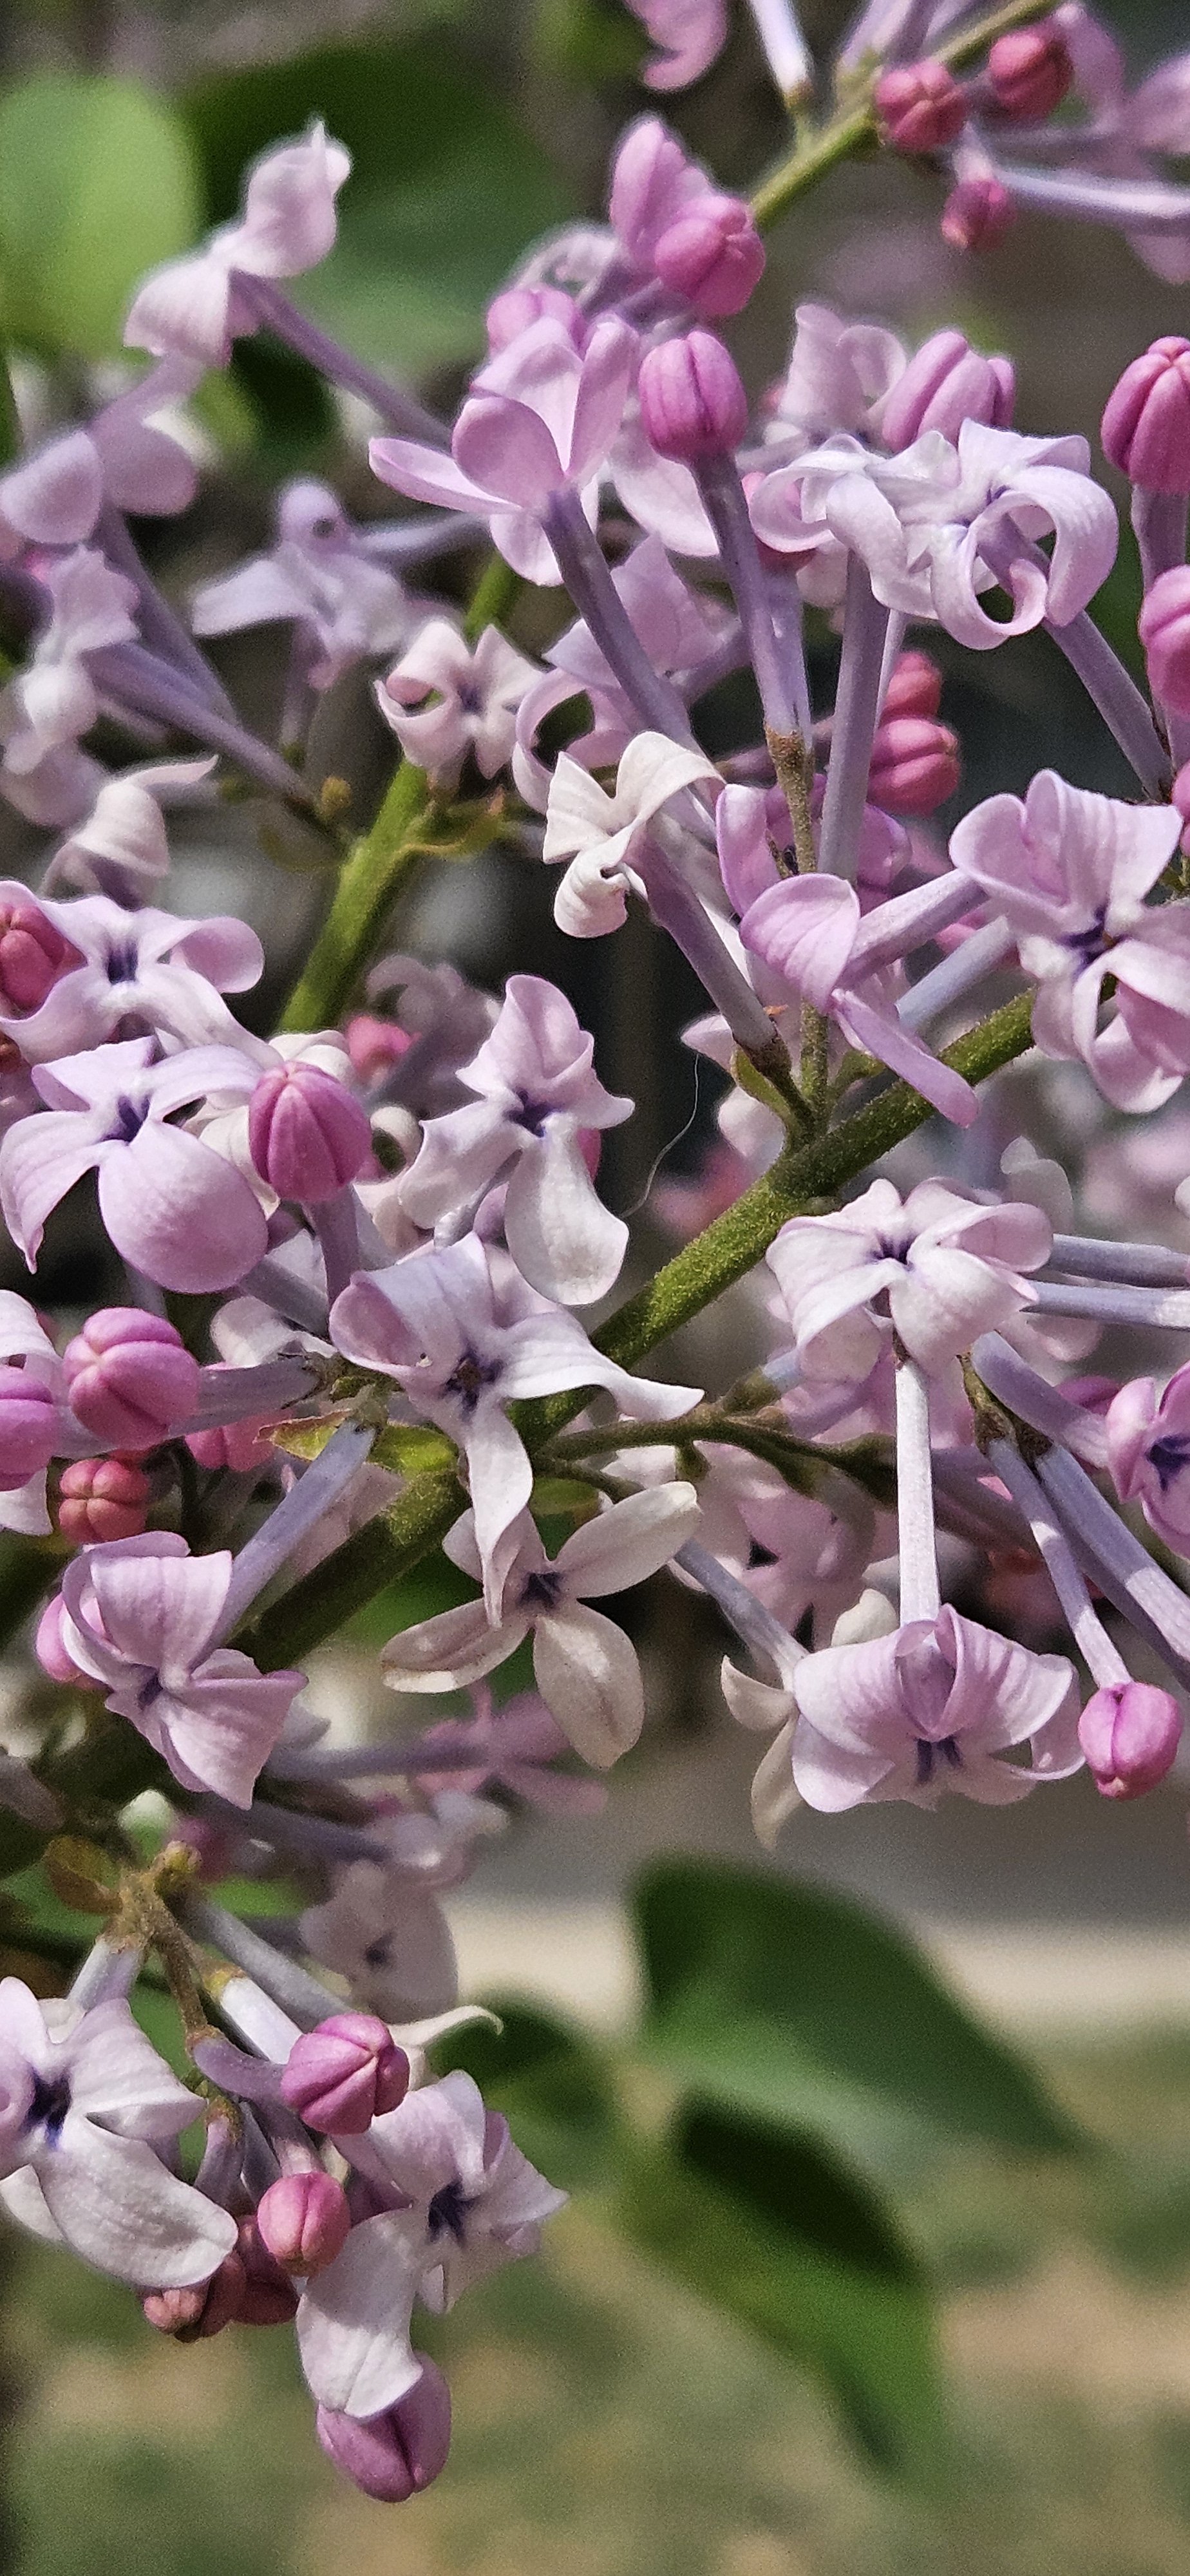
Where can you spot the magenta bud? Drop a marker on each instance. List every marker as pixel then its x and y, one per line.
pixel 920 106
pixel 1029 72
pixel 1129 1734
pixel 915 687
pixel 521 306
pixel 102 1498
pixel 341 2076
pixel 1146 424
pixel 395 2455
pixel 915 765
pixel 946 383
pixel 130 1377
pixel 711 254
pixel 692 402
pixel 50 1651
pixel 33 955
pixel 977 214
pixel 1164 630
pixel 268 2297
pixel 303 2221
pixel 28 1421
pixel 307 1136
pixel 244 1446
pixel 204 2309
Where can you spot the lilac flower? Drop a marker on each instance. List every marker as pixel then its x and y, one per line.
pixel 447 699
pixel 688 34
pixel 383 1927
pixel 537 1092
pixel 597 832
pixel 513 1748
pixel 949 1266
pixel 1103 169
pixel 54 497
pixel 51 703
pixel 464 1336
pixel 585 1667
pixel 319 577
pixel 941 524
pixel 192 307
pixel 144 966
pixel 1148 1447
pixel 84 2100
pixel 933 1706
pixel 120 848
pixel 474 2202
pixel 173 1208
pixel 1070 871
pixel 538 423
pixel 140 1616
pixel 838 378
pixel 675 225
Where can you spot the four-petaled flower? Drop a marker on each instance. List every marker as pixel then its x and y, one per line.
pixel 447 699
pixel 193 307
pixel 597 832
pixel 933 1706
pixel 949 1266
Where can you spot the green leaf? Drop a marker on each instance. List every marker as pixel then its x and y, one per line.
pixel 787 2241
pixel 97 185
pixel 798 2005
pixel 447 187
pixel 552 2085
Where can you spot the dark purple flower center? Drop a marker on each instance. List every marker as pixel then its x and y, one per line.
pixel 129 1117
pixel 541 1588
pixel 123 960
pixel 1090 943
pixel 1168 1457
pixel 448 2212
pixel 469 1379
pixel 49 2106
pixel 927 1749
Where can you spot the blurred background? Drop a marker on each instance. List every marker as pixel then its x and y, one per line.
pixel 610 2424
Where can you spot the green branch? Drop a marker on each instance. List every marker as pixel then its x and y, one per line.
pixel 365 894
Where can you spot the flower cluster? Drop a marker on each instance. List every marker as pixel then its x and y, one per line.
pixel 359 1270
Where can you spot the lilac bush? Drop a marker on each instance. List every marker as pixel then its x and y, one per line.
pixel 361 1258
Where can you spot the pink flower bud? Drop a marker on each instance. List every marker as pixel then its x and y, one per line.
pixel 946 383
pixel 28 1420
pixel 51 1653
pixel 304 2221
pixel 130 1377
pixel 102 1498
pixel 395 2455
pixel 243 1446
pixel 1164 629
pixel 268 2297
pixel 1029 72
pixel 915 765
pixel 374 1046
pixel 692 402
pixel 342 2075
pixel 915 688
pixel 33 955
pixel 521 306
pixel 307 1136
pixel 1146 425
pixel 204 2309
pixel 712 254
pixel 977 214
pixel 921 107
pixel 1130 1734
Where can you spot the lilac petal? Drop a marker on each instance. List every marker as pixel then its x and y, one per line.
pixel 506 449
pixel 805 929
pixel 631 1541
pixel 555 1225
pixel 40 1160
pixel 455 1648
pixel 55 499
pixel 353 2320
pixel 883 1035
pixel 223 949
pixel 436 2135
pixel 831 1777
pixel 119 2208
pixel 501 1481
pixel 588 1675
pixel 460 1156
pixel 219 1731
pixel 608 364
pixel 180 1213
pixel 116 2077
pixel 425 474
pixel 158 1606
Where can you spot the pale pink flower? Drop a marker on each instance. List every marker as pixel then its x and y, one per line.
pixel 191 308
pixel 596 831
pixel 447 699
pixel 949 1266
pixel 933 1706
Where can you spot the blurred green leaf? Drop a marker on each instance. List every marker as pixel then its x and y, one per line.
pixel 791 2244
pixel 552 2085
pixel 97 184
pixel 447 188
pixel 798 2005
pixel 589 40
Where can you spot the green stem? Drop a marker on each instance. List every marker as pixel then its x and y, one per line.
pixel 366 891
pixel 10 425
pixel 496 594
pixel 379 1554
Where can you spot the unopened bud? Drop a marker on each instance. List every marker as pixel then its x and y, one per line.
pixel 243 1446
pixel 1164 629
pixel 102 1498
pixel 306 1134
pixel 28 1422
pixel 915 765
pixel 712 255
pixel 692 403
pixel 268 2297
pixel 1146 425
pixel 914 688
pixel 395 2455
pixel 33 955
pixel 1029 72
pixel 920 106
pixel 1129 1734
pixel 191 2315
pixel 130 1377
pixel 944 384
pixel 304 2221
pixel 977 214
pixel 521 306
pixel 342 2075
